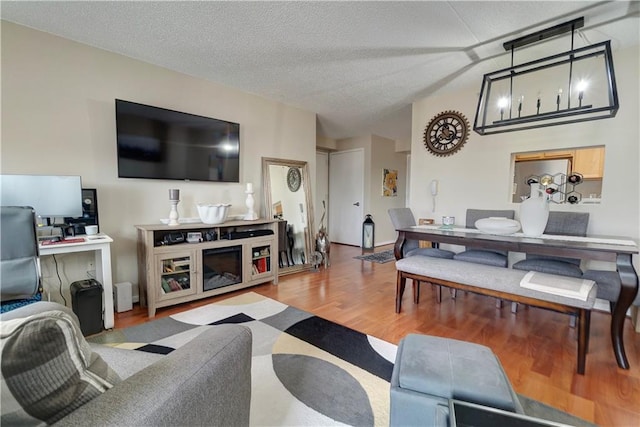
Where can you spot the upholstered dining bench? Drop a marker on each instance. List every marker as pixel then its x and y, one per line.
pixel 498 282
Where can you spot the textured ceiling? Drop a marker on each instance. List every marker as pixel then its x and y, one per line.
pixel 358 65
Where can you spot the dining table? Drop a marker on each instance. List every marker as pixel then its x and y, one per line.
pixel 618 251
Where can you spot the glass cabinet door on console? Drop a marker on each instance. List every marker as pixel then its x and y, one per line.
pixel 176 275
pixel 261 256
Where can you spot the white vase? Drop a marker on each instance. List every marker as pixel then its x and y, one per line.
pixel 534 212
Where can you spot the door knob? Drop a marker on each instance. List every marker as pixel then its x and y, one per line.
pixel 356 204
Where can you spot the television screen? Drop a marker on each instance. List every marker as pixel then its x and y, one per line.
pixel 50 196
pixel 164 144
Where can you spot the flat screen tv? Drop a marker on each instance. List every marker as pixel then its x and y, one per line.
pixel 157 143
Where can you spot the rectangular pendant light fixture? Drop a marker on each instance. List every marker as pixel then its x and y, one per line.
pixel 573 86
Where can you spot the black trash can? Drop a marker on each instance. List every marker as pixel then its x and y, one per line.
pixel 86 302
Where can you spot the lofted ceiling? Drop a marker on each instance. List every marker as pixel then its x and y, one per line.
pixel 358 65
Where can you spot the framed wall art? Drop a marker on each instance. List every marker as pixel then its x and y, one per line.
pixel 389 182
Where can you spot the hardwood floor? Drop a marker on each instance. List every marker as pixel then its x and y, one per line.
pixel 536 347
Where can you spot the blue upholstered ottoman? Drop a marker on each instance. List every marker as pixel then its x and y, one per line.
pixel 431 370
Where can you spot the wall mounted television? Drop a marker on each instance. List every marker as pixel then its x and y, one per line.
pixel 157 143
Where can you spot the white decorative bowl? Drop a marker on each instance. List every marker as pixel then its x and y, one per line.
pixel 213 214
pixel 497 225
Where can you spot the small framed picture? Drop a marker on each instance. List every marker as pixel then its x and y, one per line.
pixel 389 182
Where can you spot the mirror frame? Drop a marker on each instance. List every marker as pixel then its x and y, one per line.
pixel 309 235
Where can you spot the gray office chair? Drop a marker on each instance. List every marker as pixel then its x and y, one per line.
pixel 401 218
pixel 19 262
pixel 484 256
pixel 563 223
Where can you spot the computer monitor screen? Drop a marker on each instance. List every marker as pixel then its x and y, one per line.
pixel 50 196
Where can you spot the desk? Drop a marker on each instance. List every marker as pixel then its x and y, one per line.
pixel 101 245
pixel 601 248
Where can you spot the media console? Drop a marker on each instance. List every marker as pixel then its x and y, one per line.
pixel 229 256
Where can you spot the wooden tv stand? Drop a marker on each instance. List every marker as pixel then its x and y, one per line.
pixel 233 255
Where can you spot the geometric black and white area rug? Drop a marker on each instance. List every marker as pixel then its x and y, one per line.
pixel 306 371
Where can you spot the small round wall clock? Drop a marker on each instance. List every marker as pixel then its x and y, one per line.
pixel 294 179
pixel 446 133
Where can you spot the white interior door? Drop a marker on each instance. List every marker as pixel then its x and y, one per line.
pixel 346 196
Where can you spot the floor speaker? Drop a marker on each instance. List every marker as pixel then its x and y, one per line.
pixel 86 302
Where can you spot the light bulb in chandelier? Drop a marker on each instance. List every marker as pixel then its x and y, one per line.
pixel 502 104
pixel 581 87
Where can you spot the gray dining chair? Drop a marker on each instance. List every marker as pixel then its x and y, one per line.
pixel 609 286
pixel 484 256
pixel 561 223
pixel 401 218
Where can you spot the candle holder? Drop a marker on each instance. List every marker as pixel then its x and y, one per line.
pixel 174 199
pixel 173 215
pixel 251 213
pixel 520 106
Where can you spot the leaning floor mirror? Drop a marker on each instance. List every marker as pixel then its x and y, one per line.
pixel 288 199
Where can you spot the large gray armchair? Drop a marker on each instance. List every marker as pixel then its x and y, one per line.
pixel 205 382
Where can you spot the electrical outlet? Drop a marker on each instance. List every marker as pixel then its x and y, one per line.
pixel 91 266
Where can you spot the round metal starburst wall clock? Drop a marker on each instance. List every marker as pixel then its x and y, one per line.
pixel 446 133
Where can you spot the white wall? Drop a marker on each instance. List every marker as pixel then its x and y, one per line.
pixel 384 156
pixel 478 176
pixel 58 118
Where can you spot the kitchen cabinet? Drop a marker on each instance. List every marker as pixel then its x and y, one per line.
pixel 589 162
pixel 543 155
pixel 558 154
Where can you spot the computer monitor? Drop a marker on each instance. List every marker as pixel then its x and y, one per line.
pixel 51 196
